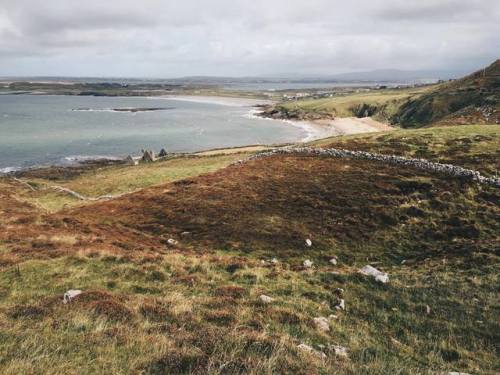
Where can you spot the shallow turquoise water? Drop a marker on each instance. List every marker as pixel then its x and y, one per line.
pixel 45 129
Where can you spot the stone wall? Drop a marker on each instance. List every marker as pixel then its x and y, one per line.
pixel 446 169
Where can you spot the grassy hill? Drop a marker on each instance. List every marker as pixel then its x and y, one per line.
pixel 156 306
pixel 380 104
pixel 472 99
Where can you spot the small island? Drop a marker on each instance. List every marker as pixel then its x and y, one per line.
pixel 133 110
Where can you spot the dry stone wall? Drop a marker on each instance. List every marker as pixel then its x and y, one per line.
pixel 423 164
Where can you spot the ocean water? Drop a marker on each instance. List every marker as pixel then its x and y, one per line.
pixel 53 130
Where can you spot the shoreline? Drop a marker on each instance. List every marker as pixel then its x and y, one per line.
pixel 312 130
pixel 227 101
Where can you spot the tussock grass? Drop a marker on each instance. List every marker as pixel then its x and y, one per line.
pixel 209 328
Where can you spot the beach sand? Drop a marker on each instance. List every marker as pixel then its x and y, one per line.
pixel 220 100
pixel 312 129
pixel 350 125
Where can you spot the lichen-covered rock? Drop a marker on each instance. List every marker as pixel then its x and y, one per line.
pixel 310 349
pixel 322 324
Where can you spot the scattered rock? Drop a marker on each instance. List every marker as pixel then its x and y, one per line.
pixel 308 242
pixel 70 294
pixel 340 305
pixel 322 324
pixel 427 309
pixel 333 317
pixel 185 234
pixel 162 153
pixel 310 349
pixel 172 242
pixel 274 261
pixel 458 373
pixel 307 263
pixel 333 261
pixel 266 299
pixel 378 275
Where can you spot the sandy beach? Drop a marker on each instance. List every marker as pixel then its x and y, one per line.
pixel 350 125
pixel 219 100
pixel 312 129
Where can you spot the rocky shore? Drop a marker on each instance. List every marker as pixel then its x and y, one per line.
pixel 278 112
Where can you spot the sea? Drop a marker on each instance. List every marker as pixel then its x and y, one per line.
pixel 42 130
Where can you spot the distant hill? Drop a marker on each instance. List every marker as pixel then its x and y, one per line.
pixel 396 75
pixel 474 99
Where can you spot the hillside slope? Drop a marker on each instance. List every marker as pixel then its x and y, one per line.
pixel 474 99
pixel 193 305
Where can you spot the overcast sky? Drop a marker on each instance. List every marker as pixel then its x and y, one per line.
pixel 171 38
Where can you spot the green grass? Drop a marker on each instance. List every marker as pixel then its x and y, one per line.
pixel 159 322
pixel 386 101
pixel 115 180
pixel 471 146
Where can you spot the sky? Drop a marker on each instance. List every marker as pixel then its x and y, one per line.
pixel 167 38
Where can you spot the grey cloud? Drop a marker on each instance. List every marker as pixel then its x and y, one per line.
pixel 235 37
pixel 443 10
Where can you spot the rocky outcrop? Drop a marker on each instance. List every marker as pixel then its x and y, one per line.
pixel 422 164
pixel 148 156
pixel 279 112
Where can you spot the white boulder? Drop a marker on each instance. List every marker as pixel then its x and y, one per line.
pixel 333 261
pixel 375 273
pixel 308 242
pixel 70 294
pixel 340 305
pixel 265 299
pixel 307 263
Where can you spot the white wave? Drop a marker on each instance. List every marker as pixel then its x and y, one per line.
pixel 311 130
pixel 93 110
pixel 216 100
pixel 9 170
pixel 84 158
